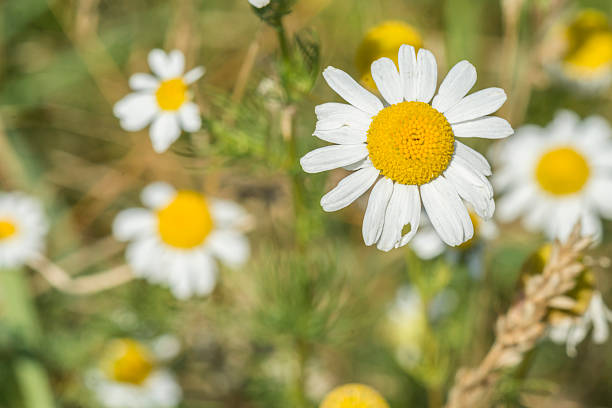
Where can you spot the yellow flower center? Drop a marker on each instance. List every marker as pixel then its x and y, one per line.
pixel 171 94
pixel 410 143
pixel 562 171
pixel 130 362
pixel 354 396
pixel 384 40
pixel 589 43
pixel 7 229
pixel 595 53
pixel 186 221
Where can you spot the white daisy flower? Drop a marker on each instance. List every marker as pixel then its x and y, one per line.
pixel 411 144
pixel 130 377
pixel 163 100
pixel 23 227
pixel 259 3
pixel 175 240
pixel 428 245
pixel 564 175
pixel 571 331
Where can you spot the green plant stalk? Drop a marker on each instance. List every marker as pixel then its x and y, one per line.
pixel 19 313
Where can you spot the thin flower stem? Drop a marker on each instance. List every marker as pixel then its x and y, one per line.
pixel 303 351
pixel 20 314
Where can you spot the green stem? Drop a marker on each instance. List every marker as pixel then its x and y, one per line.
pixel 302 350
pixel 282 41
pixel 19 313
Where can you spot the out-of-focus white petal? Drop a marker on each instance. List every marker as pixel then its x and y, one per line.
pixel 164 131
pixel 135 111
pixel 193 75
pixel 157 195
pixel 143 82
pixel 189 115
pixel 132 223
pixel 230 246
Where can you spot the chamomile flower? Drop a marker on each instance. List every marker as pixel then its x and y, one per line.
pixel 572 331
pixel 427 244
pixel 162 100
pixel 259 3
pixel 22 229
pixel 564 175
pixel 354 396
pixel 587 52
pixel 131 376
pixel 383 40
pixel 412 145
pixel 176 239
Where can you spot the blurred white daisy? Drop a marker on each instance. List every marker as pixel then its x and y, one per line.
pixel 427 244
pixel 175 240
pixel 259 3
pixel 411 144
pixel 572 331
pixel 163 100
pixel 565 175
pixel 130 377
pixel 405 326
pixel 23 227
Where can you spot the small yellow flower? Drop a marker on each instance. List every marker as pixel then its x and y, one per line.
pixel 384 40
pixel 354 396
pixel 128 361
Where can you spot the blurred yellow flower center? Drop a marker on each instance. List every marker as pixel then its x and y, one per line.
pixel 384 40
pixel 354 396
pixel 410 143
pixel 7 229
pixel 186 221
pixel 589 40
pixel 171 94
pixel 131 362
pixel 562 171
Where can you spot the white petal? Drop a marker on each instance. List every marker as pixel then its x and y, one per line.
pixel 189 115
pixel 458 82
pixel 334 115
pixel 343 135
pixel 259 3
pixel 205 279
pixel 351 91
pixel 427 74
pixel 427 244
pixel 488 127
pixel 598 313
pixel 136 111
pixel 476 105
pixel 159 62
pixel 230 246
pixel 361 164
pixel 157 195
pixel 514 203
pixel 164 131
pixel 475 159
pixel 374 218
pixel 132 223
pixel 472 187
pixel 227 214
pixel 143 82
pixel 600 192
pixel 404 208
pixel 332 157
pixel 387 80
pixel 193 75
pixel 407 62
pixel 446 212
pixel 349 189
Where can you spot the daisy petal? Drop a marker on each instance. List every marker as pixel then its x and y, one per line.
pixel 374 217
pixel 488 127
pixel 514 202
pixel 157 195
pixel 476 105
pixel 164 131
pixel 193 75
pixel 351 91
pixel 231 247
pixel 332 157
pixel 176 64
pixel 349 189
pixel 343 135
pixel 143 82
pixel 458 82
pixel 427 71
pixel 427 244
pixel 446 212
pixel 407 62
pixel 135 111
pixel 227 214
pixel 600 192
pixel 472 187
pixel 404 208
pixel 361 164
pixel 475 159
pixel 189 115
pixel 335 115
pixel 387 80
pixel 158 62
pixel 132 223
pixel 205 280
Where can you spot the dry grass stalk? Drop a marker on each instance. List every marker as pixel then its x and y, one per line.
pixel 523 325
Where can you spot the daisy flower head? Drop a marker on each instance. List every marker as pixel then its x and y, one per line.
pixel 131 376
pixel 175 240
pixel 162 100
pixel 564 176
pixel 259 3
pixel 383 40
pixel 23 227
pixel 406 148
pixel 354 396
